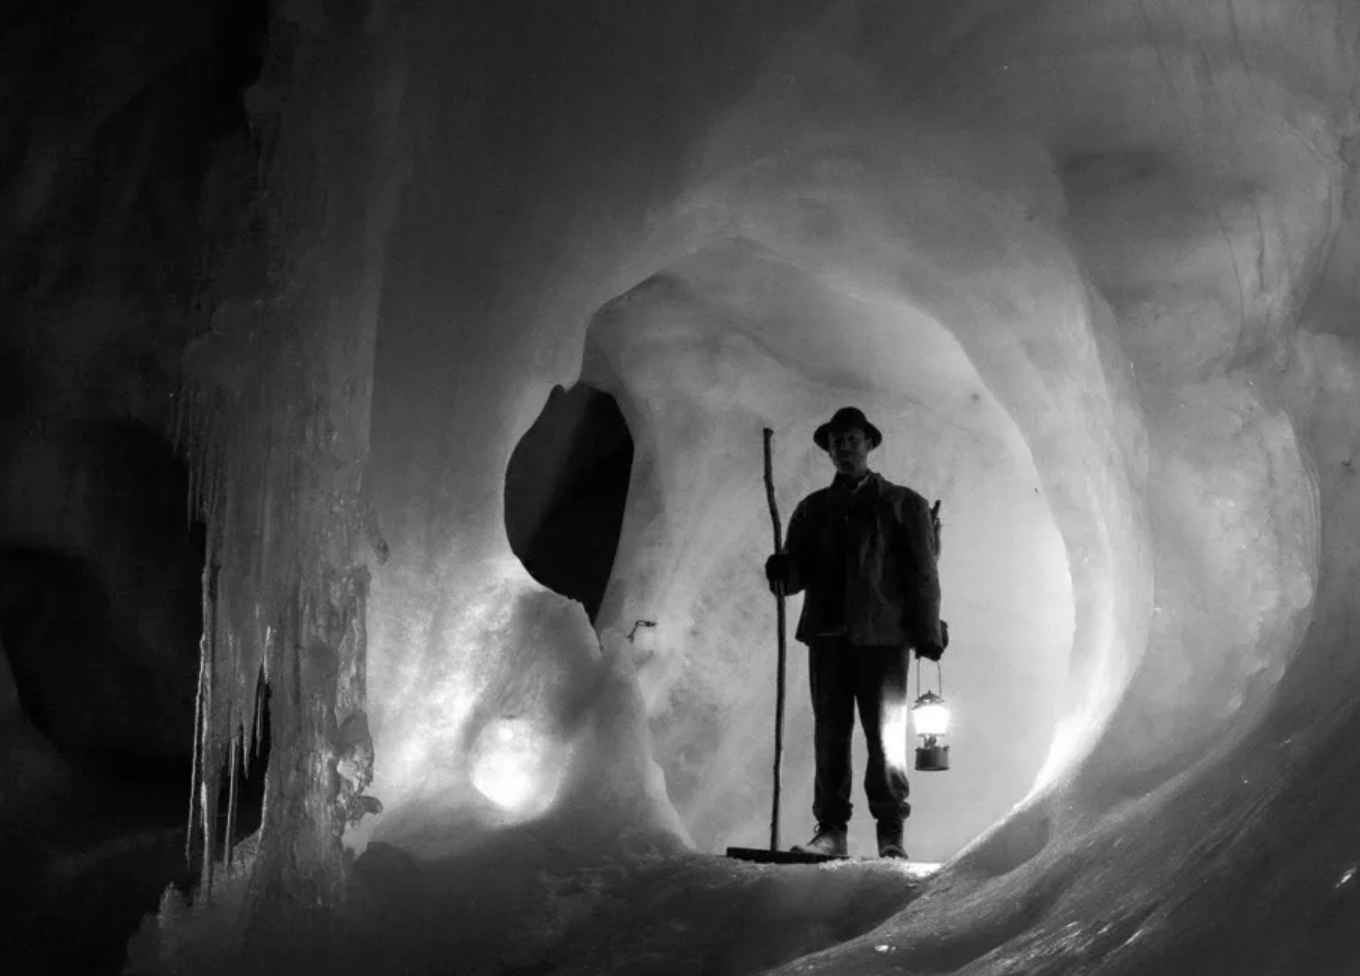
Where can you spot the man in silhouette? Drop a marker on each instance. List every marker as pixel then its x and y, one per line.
pixel 864 550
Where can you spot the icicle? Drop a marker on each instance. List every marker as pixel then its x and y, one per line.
pixel 261 690
pixel 231 801
pixel 197 745
pixel 229 686
pixel 254 730
pixel 207 758
pixel 248 740
pixel 210 780
pixel 207 795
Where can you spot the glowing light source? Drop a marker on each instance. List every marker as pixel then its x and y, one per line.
pixel 511 767
pixel 930 716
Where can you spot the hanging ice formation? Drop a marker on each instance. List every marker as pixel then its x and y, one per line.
pixel 274 419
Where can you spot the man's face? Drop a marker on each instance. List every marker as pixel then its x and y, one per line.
pixel 849 451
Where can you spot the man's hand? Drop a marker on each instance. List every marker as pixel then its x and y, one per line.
pixel 930 651
pixel 777 570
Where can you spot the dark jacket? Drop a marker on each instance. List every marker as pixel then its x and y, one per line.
pixel 887 592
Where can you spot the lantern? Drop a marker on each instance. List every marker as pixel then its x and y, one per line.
pixel 930 716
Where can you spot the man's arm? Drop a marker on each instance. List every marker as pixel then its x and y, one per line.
pixel 922 581
pixel 788 571
pixel 798 548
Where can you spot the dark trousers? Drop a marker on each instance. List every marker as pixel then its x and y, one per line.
pixel 843 675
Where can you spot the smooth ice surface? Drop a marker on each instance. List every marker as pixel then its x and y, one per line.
pixel 1092 265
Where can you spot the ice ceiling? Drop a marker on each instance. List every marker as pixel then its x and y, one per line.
pixel 1090 265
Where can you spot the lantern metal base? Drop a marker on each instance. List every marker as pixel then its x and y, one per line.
pixel 932 759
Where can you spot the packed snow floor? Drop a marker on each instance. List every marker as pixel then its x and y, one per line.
pixel 511 906
pixel 503 912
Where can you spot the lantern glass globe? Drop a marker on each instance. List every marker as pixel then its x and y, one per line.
pixel 930 716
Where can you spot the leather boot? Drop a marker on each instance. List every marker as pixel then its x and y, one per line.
pixel 829 840
pixel 890 839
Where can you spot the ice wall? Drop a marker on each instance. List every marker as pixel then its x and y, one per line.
pixel 1127 228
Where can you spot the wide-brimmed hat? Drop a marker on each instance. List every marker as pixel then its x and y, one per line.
pixel 844 418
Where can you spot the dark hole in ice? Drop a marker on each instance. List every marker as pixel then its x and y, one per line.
pixel 100 616
pixel 565 489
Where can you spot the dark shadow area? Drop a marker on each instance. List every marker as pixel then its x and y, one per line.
pixel 100 602
pixel 112 710
pixel 120 197
pixel 85 877
pixel 99 857
pixel 565 489
pixel 100 618
pixel 93 858
pixel 239 824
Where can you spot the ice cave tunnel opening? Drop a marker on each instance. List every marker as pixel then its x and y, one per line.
pixel 686 370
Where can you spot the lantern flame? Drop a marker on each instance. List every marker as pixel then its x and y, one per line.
pixel 930 716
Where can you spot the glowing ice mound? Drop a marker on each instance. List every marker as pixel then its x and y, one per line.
pixel 516 766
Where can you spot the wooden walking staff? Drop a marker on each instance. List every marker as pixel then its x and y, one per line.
pixel 779 618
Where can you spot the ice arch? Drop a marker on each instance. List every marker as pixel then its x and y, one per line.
pixel 702 355
pixel 1022 314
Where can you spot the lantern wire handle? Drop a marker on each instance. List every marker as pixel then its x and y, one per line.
pixel 939 675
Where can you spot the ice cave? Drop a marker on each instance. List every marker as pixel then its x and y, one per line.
pixel 385 385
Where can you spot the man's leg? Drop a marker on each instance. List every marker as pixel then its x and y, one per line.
pixel 881 690
pixel 831 675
